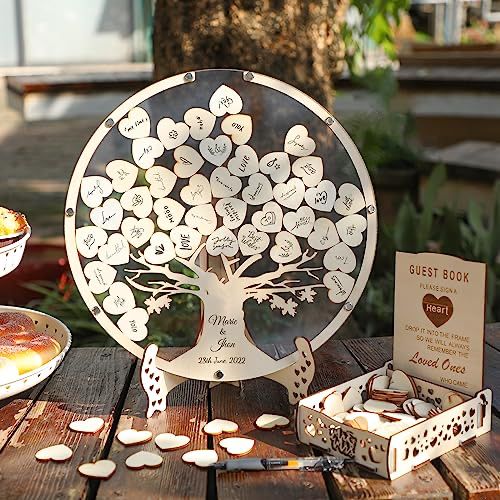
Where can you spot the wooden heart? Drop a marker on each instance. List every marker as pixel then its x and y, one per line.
pixel 133 324
pixel 252 241
pixel 200 121
pixel 339 285
pixel 143 459
pixel 100 275
pixel 136 125
pixel 138 200
pixel 169 211
pixel 237 445
pixel 439 311
pixel 168 441
pixel 321 197
pixel 270 421
pixel 56 453
pixel 223 184
pixel 277 165
pixel 225 100
pixel 94 189
pixel 350 200
pixel 351 229
pixel 219 425
pixel 89 239
pixel 123 175
pixel 172 134
pixel 137 231
pixel 88 426
pixel 116 251
pixel 324 234
pixel 299 223
pixel 201 458
pixel 161 181
pixel 245 161
pixel 310 169
pixel 120 299
pixel 298 142
pixel 269 219
pixel 222 241
pixel 291 194
pixel 232 211
pixel 102 469
pixel 186 240
pixel 258 191
pixel 160 249
pixel 132 437
pixel 238 127
pixel 216 151
pixel 146 150
pixel 286 248
pixel 188 161
pixel 197 192
pixel 109 216
pixel 340 257
pixel 203 218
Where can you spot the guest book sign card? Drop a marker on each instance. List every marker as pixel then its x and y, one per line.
pixel 439 319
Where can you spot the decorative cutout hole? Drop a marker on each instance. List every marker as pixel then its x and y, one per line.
pixel 415 452
pixel 362 443
pixel 457 429
pixel 311 430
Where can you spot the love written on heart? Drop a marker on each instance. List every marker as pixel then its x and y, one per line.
pixel 439 306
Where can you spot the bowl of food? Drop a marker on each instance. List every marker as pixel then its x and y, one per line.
pixel 32 346
pixel 14 233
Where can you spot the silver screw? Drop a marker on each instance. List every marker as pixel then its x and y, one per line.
pixel 188 77
pixel 218 374
pixel 70 212
pixel 248 76
pixel 348 306
pixel 109 122
pixel 96 310
pixel 370 209
pixel 329 120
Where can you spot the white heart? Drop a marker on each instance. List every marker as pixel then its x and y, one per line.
pixel 217 150
pixel 102 469
pixel 201 458
pixel 324 234
pixel 89 239
pixel 160 249
pixel 116 251
pixel 238 127
pixel 169 213
pixel 188 161
pixel 269 421
pixel 136 125
pixel 340 257
pixel 168 441
pixel 137 231
pixel 251 241
pixel 131 437
pixel 237 445
pixel 245 161
pixel 145 151
pixel 123 174
pixel 222 241
pixel 298 143
pixel 203 218
pixel 339 285
pixel 277 165
pixel 94 189
pixel 89 425
pixel 290 194
pixel 321 197
pixel 186 240
pixel 351 229
pixel 172 134
pixel 299 223
pixel 143 459
pixel 120 299
pixel 138 200
pixel 286 248
pixel 57 453
pixel 310 169
pixel 197 192
pixel 223 184
pixel 232 210
pixel 225 100
pixel 269 219
pixel 350 200
pixel 161 181
pixel 133 324
pixel 109 216
pixel 100 276
pixel 201 122
pixel 219 425
pixel 258 191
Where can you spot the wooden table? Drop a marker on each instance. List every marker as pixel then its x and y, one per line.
pixel 104 382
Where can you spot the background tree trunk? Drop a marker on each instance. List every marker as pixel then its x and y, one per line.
pixel 296 41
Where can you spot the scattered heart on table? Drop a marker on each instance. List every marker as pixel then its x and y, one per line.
pixel 270 421
pixel 143 459
pixel 237 445
pixel 169 441
pixel 88 426
pixel 219 425
pixel 56 453
pixel 201 458
pixel 102 469
pixel 131 437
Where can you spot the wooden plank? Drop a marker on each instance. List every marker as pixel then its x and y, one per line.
pixel 472 470
pixel 186 414
pixel 492 335
pixel 371 353
pixel 90 382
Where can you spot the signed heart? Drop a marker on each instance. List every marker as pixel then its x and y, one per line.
pixel 133 324
pixel 197 192
pixel 120 299
pixel 123 174
pixel 439 311
pixel 94 189
pixel 137 200
pixel 186 240
pixel 269 219
pixel 161 181
pixel 160 249
pixel 203 218
pixel 225 100
pixel 223 184
pixel 298 142
pixel 136 125
pixel 201 122
pixel 169 213
pixel 232 210
pixel 258 191
pixel 217 150
pixel 252 241
pixel 188 161
pixel 245 161
pixel 89 239
pixel 222 241
pixel 238 127
pixel 146 150
pixel 172 134
pixel 277 165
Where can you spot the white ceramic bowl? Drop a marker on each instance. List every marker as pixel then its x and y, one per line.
pixel 49 326
pixel 11 255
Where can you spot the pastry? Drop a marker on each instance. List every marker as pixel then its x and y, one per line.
pixel 14 322
pixel 8 371
pixel 12 225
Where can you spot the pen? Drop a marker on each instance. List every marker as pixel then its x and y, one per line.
pixel 323 464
